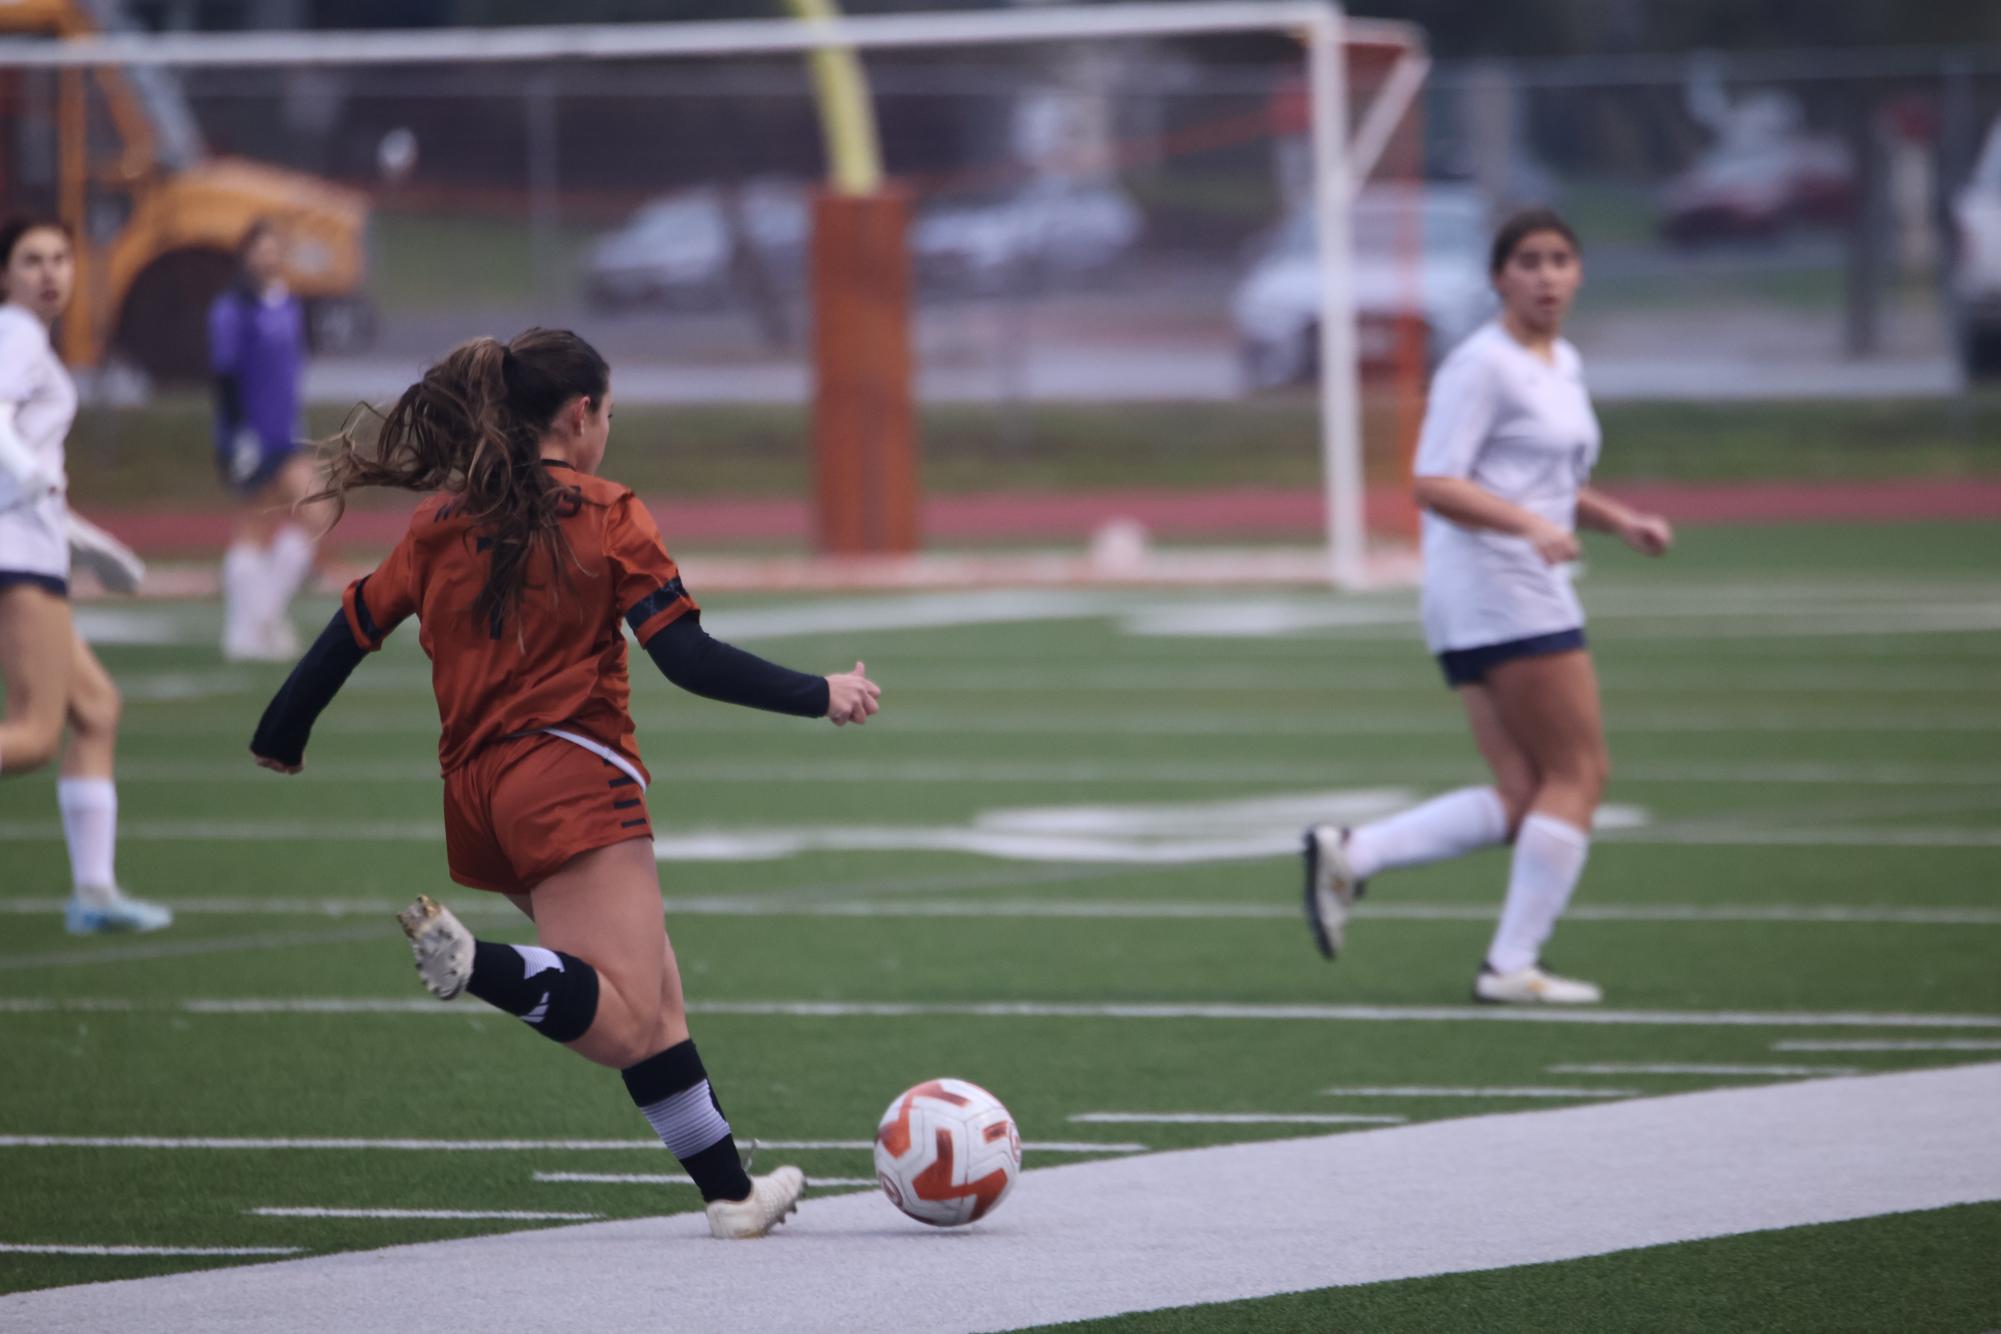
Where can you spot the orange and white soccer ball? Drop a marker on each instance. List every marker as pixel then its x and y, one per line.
pixel 947 1152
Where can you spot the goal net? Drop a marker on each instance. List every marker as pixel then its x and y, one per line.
pixel 1123 335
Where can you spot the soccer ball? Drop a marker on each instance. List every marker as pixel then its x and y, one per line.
pixel 947 1152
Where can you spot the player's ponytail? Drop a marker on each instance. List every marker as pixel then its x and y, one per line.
pixel 473 426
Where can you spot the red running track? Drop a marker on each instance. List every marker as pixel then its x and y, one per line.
pixel 1170 515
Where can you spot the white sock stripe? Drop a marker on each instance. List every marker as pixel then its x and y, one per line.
pixel 535 959
pixel 1556 828
pixel 687 1122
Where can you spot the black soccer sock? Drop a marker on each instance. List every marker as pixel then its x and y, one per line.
pixel 672 1090
pixel 555 994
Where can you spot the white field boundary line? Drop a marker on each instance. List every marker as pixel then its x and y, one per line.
pixel 1472 1091
pixel 1696 1068
pixel 230 1144
pixel 1121 1010
pixel 1881 1045
pixel 1234 1119
pixel 36 1248
pixel 1111 909
pixel 497 1215
pixel 667 1179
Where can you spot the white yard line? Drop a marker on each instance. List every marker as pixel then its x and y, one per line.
pixel 241 1144
pixel 1695 1068
pixel 31 1248
pixel 1233 1119
pixel 770 904
pixel 1124 1011
pixel 503 1215
pixel 1880 1045
pixel 666 1179
pixel 1472 1091
pixel 1198 1226
pixel 182 949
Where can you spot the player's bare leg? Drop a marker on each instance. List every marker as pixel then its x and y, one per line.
pixel 35 637
pixel 89 801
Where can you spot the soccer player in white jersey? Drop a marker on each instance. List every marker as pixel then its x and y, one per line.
pixel 1509 440
pixel 50 673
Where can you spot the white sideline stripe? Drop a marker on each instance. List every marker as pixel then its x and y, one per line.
pixel 1111 909
pixel 1234 1119
pixel 1695 1068
pixel 1468 1091
pixel 1257 1013
pixel 1197 1226
pixel 33 1248
pixel 506 1215
pixel 1877 1045
pixel 669 1179
pixel 477 1145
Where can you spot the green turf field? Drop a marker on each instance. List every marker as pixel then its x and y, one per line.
pixel 1806 725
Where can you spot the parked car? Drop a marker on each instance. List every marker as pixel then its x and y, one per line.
pixel 1277 303
pixel 1764 175
pixel 682 249
pixel 1976 278
pixel 1052 228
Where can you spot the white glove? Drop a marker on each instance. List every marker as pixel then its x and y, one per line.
pixel 114 563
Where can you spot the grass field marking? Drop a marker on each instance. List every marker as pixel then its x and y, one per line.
pixel 498 1215
pixel 1695 1068
pixel 1068 909
pixel 1137 1011
pixel 34 1248
pixel 50 1005
pixel 182 949
pixel 1472 1091
pixel 663 1179
pixel 1234 1119
pixel 235 1144
pixel 1882 1045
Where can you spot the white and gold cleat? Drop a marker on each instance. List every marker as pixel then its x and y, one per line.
pixel 1331 887
pixel 440 944
pixel 773 1198
pixel 1532 986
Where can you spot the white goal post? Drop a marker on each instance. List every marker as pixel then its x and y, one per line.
pixel 1340 162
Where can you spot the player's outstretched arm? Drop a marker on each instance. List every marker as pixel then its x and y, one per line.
pixel 280 740
pixel 688 657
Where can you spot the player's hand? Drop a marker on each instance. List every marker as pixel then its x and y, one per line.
pixel 1648 534
pixel 277 766
pixel 1557 546
pixel 852 697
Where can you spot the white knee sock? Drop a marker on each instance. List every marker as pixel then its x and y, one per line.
pixel 1549 857
pixel 1449 826
pixel 90 825
pixel 243 573
pixel 291 562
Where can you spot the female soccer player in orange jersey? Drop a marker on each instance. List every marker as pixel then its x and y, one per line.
pixel 520 567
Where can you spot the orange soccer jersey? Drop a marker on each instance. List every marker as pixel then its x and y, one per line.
pixel 558 661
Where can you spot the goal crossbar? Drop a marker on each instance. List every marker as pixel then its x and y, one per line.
pixel 1339 164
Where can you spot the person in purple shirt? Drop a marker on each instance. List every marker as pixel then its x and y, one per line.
pixel 257 352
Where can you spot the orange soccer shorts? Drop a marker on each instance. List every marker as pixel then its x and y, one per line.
pixel 523 806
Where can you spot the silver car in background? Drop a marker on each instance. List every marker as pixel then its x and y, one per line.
pixel 1420 252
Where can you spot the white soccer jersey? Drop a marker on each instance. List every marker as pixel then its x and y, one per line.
pixel 1522 429
pixel 34 384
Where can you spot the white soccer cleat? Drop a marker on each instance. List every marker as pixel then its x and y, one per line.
pixel 1331 887
pixel 440 944
pixel 1532 986
pixel 772 1199
pixel 108 911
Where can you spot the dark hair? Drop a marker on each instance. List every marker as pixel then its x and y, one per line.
pixel 12 230
pixel 1520 227
pixel 471 426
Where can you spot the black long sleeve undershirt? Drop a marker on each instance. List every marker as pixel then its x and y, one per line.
pixel 288 720
pixel 688 657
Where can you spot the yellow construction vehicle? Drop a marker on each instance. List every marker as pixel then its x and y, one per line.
pixel 117 155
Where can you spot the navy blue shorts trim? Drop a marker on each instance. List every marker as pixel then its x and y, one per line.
pixel 1469 666
pixel 48 583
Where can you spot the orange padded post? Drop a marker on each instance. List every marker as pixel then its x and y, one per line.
pixel 865 478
